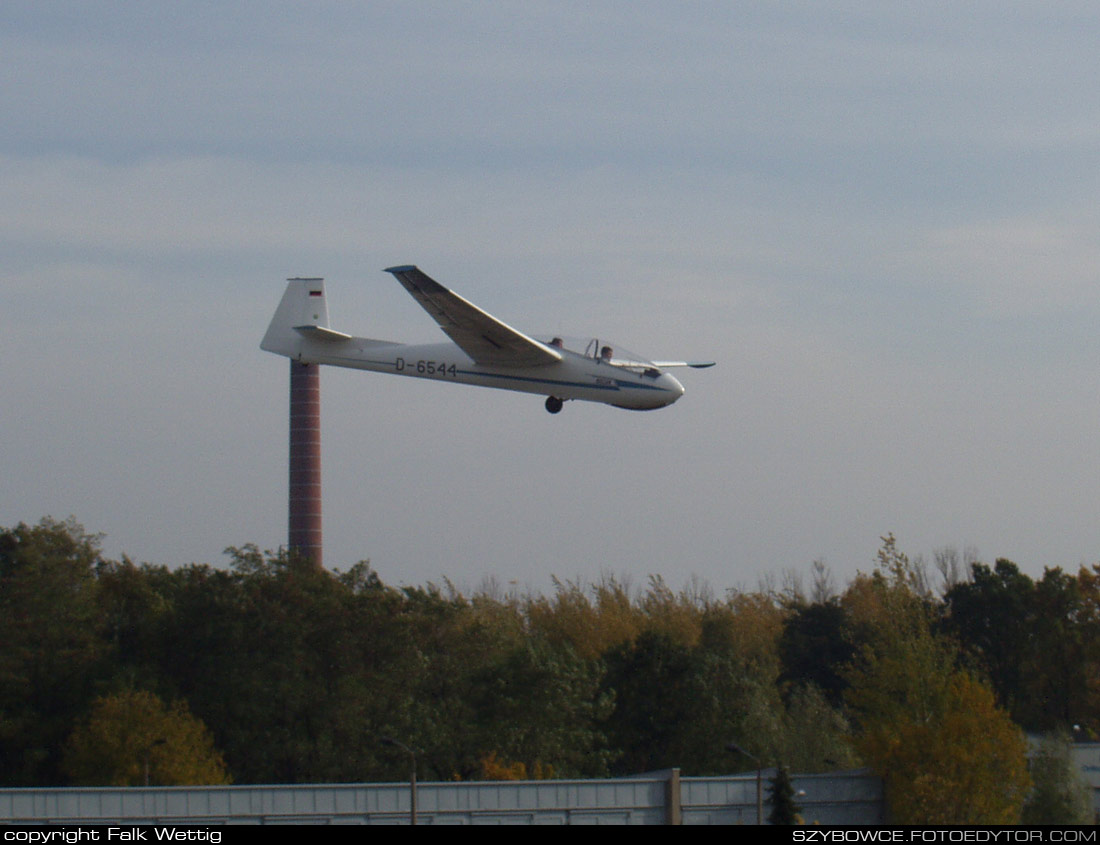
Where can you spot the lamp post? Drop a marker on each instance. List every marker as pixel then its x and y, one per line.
pixel 412 774
pixel 737 749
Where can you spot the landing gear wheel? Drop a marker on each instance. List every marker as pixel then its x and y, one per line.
pixel 553 404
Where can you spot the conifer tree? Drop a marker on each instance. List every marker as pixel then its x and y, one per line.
pixel 781 799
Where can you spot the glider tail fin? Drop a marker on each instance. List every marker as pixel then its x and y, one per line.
pixel 303 308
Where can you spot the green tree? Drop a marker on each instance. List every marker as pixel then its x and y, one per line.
pixel 450 640
pixel 297 671
pixel 817 646
pixel 992 617
pixel 816 736
pixel 1059 794
pixel 1059 664
pixel 540 706
pixel 132 739
pixel 1088 585
pixel 654 683
pixel 50 648
pixel 784 810
pixel 133 607
pixel 677 705
pixel 1035 639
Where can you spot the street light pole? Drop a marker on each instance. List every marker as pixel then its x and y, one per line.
pixel 412 774
pixel 737 749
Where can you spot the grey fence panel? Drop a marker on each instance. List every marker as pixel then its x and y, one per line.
pixel 636 801
pixel 853 797
pixel 837 798
pixel 1087 757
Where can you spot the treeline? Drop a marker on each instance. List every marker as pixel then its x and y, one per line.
pixel 268 671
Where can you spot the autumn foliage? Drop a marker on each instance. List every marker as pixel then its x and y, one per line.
pixel 962 764
pixel 490 767
pixel 134 739
pixel 948 753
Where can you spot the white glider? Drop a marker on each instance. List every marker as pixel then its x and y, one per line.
pixel 485 352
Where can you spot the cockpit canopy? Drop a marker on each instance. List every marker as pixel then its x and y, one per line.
pixel 603 350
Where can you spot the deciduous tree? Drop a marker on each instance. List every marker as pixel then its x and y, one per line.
pixel 948 754
pixel 133 738
pixel 541 706
pixel 817 646
pixel 51 650
pixel 1059 794
pixel 1037 640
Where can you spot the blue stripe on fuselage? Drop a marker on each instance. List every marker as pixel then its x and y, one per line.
pixel 618 385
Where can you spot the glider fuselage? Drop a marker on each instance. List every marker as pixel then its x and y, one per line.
pixel 575 376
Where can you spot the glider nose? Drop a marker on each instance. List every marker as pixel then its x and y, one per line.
pixel 674 388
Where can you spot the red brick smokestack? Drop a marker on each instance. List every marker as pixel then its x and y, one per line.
pixel 304 524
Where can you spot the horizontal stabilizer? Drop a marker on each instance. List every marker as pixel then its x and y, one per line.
pixel 699 365
pixel 321 333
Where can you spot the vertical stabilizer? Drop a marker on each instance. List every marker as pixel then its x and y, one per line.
pixel 303 304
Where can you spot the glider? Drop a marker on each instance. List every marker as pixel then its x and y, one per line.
pixel 485 351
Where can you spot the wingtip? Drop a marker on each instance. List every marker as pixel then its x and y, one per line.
pixel 404 268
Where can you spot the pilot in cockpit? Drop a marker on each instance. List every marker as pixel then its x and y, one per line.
pixel 605 353
pixel 556 343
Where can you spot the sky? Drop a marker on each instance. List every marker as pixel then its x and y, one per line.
pixel 879 219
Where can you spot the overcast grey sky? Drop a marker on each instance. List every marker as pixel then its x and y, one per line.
pixel 880 219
